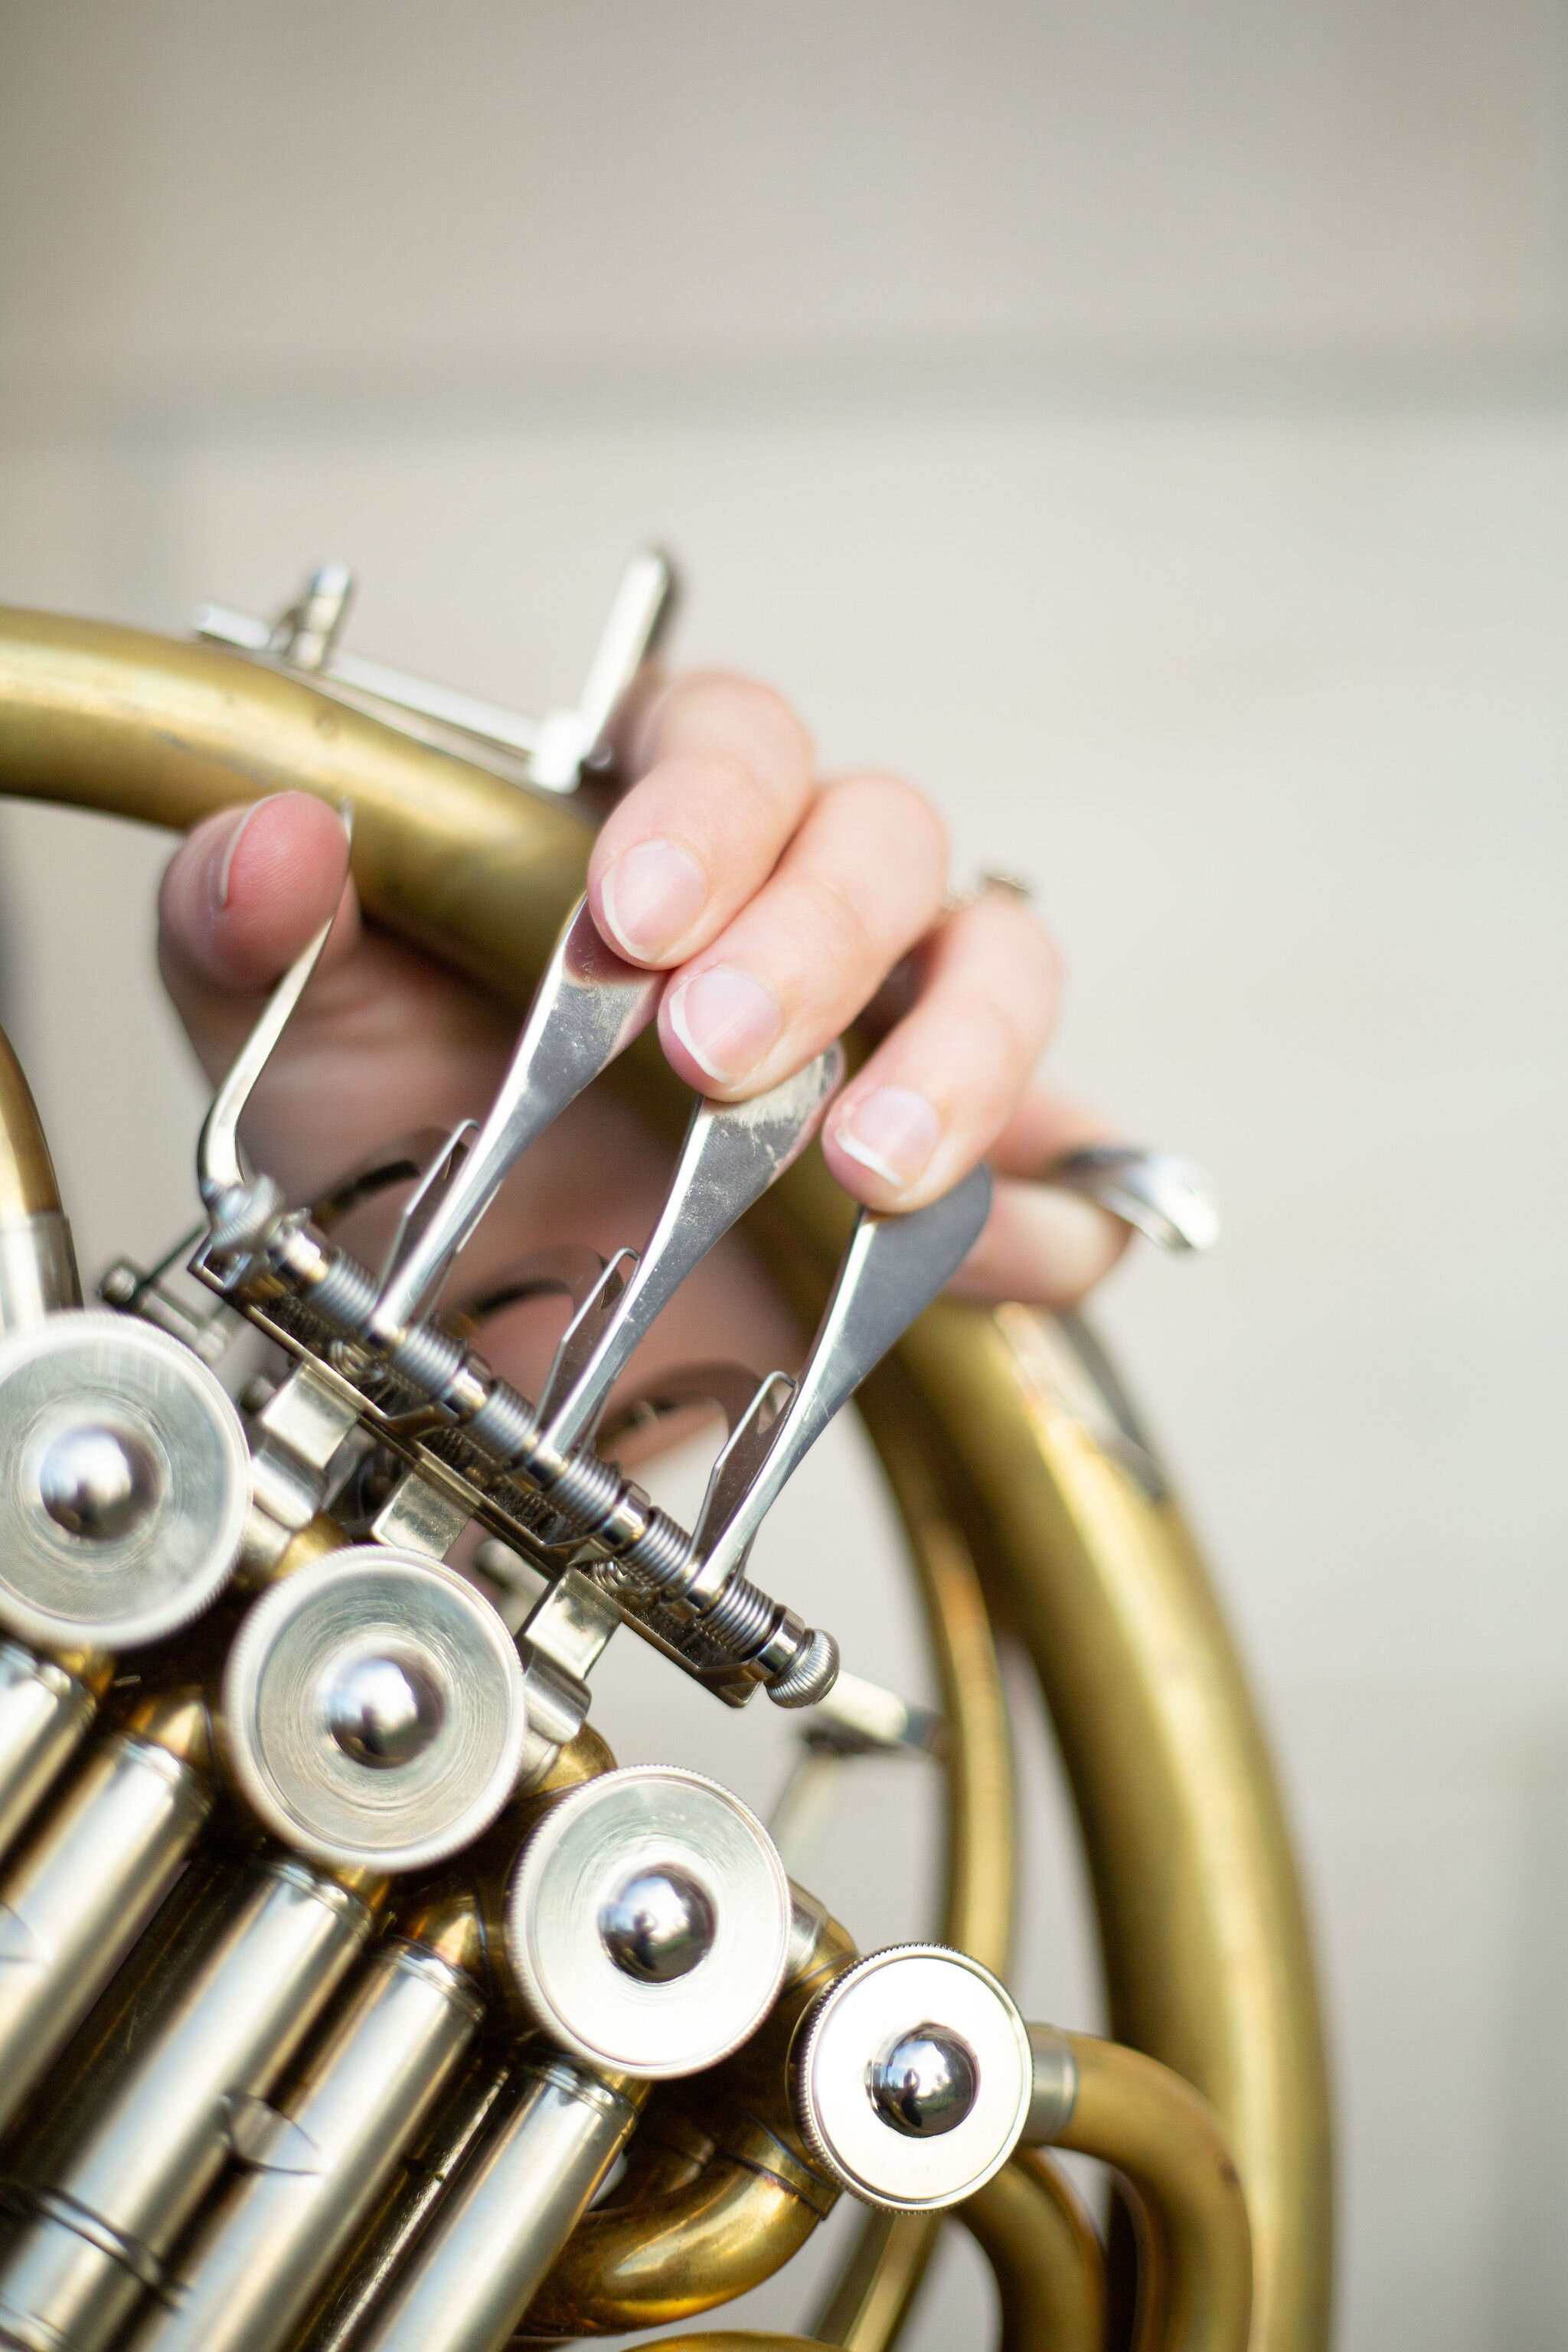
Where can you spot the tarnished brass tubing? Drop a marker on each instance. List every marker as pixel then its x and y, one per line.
pixel 1043 2254
pixel 545 2151
pixel 81 1892
pixel 1168 2143
pixel 38 1262
pixel 46 1712
pixel 730 2223
pixel 1207 1957
pixel 106 2219
pixel 317 2167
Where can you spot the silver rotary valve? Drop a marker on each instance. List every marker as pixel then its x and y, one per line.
pixel 125 1482
pixel 913 2078
pixel 374 1710
pixel 647 1922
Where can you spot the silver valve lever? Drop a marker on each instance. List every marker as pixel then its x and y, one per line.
pixel 733 1151
pixel 587 1009
pixel 893 1268
pixel 221 1179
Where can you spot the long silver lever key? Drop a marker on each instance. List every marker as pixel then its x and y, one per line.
pixel 587 1009
pixel 733 1151
pixel 893 1268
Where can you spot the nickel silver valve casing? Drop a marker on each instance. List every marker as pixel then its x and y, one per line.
pixel 883 2001
pixel 594 1843
pixel 139 1558
pixel 307 1776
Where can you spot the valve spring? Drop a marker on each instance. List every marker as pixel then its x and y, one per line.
pixel 663 1551
pixel 428 1359
pixel 504 1425
pixel 586 1489
pixel 741 1618
pixel 346 1293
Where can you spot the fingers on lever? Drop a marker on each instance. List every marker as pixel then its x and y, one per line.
pixel 586 1010
pixel 893 1268
pixel 733 1152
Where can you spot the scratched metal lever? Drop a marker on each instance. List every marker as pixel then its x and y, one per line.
pixel 733 1151
pixel 587 1009
pixel 893 1268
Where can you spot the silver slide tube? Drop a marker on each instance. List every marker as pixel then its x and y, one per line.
pixel 81 1892
pixel 511 2210
pixel 318 2165
pixel 45 1713
pixel 106 2219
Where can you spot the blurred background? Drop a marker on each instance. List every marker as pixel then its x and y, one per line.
pixel 1147 427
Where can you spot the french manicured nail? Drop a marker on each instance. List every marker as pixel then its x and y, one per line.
pixel 726 1021
pixel 651 896
pixel 892 1132
pixel 220 871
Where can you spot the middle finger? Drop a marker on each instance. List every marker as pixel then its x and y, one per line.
pixel 859 883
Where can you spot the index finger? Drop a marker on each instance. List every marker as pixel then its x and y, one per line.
pixel 727 775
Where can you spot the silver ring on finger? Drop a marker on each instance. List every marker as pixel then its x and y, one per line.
pixel 1167 1199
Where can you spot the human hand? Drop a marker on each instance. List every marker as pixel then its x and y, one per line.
pixel 780 908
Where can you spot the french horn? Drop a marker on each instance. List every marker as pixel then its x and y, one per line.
pixel 352 1997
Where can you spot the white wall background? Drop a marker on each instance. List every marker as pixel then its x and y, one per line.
pixel 1149 428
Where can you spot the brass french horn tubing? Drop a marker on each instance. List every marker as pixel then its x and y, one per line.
pixel 1166 2141
pixel 1031 2226
pixel 1201 1922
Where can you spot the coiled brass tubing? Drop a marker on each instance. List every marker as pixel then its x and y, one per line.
pixel 1206 1950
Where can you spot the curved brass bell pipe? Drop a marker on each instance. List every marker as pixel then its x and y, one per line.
pixel 1031 2226
pixel 1201 1922
pixel 1168 2146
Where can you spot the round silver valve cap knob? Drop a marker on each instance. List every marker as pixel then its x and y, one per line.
pixel 374 1710
pixel 125 1482
pixel 647 1922
pixel 913 2078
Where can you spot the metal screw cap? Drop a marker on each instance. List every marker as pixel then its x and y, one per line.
pixel 654 1840
pixel 658 1925
pixel 374 1709
pixel 382 1710
pixel 124 1481
pixel 924 2083
pixel 912 2080
pixel 97 1481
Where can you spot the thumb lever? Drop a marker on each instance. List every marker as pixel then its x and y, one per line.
pixel 892 1269
pixel 587 1009
pixel 733 1151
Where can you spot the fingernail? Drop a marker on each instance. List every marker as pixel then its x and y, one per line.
pixel 892 1132
pixel 726 1021
pixel 651 896
pixel 218 874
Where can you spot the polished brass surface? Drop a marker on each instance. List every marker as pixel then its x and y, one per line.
pixel 993 1459
pixel 1168 2143
pixel 1038 2236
